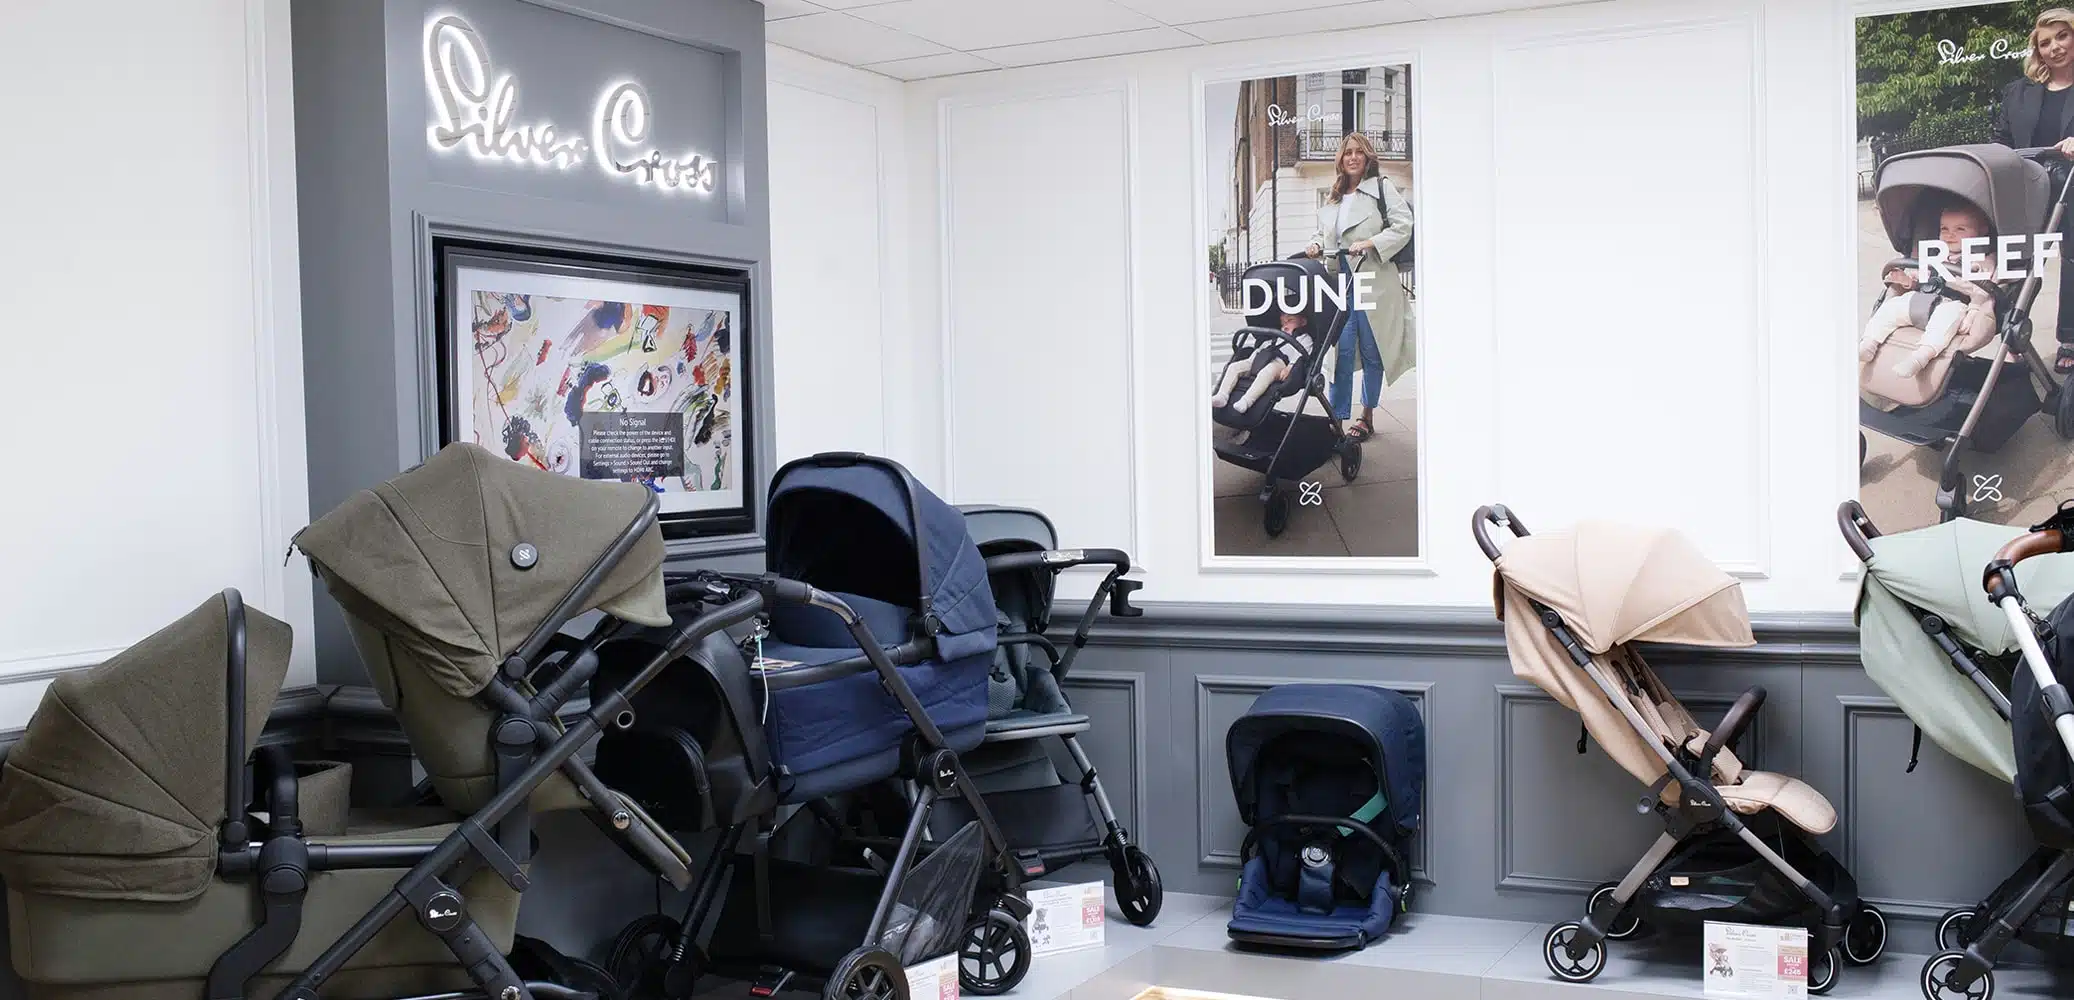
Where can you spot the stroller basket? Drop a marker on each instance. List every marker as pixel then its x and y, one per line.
pixel 929 912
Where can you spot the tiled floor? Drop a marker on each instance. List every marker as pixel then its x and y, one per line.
pixel 1426 957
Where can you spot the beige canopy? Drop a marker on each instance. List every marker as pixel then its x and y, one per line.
pixel 1615 584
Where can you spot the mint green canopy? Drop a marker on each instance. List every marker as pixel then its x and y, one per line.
pixel 1938 570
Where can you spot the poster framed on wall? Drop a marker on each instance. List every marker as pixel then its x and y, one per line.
pixel 1947 99
pixel 1308 459
pixel 604 368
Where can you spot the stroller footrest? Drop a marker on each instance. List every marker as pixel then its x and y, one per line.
pixel 769 981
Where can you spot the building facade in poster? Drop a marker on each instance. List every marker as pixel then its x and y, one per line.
pixel 1310 324
pixel 1965 326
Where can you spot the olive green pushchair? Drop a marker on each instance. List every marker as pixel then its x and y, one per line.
pixel 149 853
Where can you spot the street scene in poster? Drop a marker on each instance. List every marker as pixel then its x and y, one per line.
pixel 637 388
pixel 1311 323
pixel 1964 332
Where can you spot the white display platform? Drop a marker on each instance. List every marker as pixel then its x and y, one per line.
pixel 1187 954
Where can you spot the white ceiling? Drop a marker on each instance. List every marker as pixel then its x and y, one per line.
pixel 916 39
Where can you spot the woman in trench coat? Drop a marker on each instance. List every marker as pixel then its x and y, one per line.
pixel 1367 216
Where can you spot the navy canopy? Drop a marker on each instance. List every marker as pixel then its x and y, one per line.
pixel 1384 724
pixel 858 525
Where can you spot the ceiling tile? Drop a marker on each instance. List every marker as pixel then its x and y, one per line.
pixel 1311 19
pixel 981 24
pixel 778 10
pixel 946 64
pixel 1459 8
pixel 1093 47
pixel 846 39
pixel 1190 11
pixel 851 4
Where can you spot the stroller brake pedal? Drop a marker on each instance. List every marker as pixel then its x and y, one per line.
pixel 1031 862
pixel 769 981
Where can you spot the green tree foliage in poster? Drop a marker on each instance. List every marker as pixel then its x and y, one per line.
pixel 1932 78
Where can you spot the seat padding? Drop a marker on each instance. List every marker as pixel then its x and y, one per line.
pixel 1789 797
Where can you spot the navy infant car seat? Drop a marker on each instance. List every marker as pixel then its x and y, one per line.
pixel 1329 777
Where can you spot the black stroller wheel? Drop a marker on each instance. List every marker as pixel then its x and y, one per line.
pixel 1555 948
pixel 1865 937
pixel 995 955
pixel 1861 447
pixel 1350 461
pixel 1955 928
pixel 1937 974
pixel 1276 518
pixel 2063 412
pixel 867 974
pixel 1138 890
pixel 640 956
pixel 1624 926
pixel 1824 969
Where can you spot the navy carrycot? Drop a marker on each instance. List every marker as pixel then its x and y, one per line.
pixel 1329 777
pixel 864 530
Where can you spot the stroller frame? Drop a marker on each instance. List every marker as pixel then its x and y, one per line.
pixel 1576 950
pixel 1276 493
pixel 1139 892
pixel 2015 338
pixel 530 750
pixel 926 761
pixel 1966 972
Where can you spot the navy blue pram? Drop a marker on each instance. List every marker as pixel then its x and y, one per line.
pixel 1330 778
pixel 901 558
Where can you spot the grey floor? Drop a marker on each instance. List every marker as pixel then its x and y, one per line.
pixel 1426 956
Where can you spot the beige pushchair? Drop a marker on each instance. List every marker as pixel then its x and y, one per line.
pixel 1738 843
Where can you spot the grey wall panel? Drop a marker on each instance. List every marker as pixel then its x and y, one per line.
pixel 1115 700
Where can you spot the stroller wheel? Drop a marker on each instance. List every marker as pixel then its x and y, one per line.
pixel 1824 969
pixel 640 957
pixel 867 974
pixel 1138 890
pixel 1865 937
pixel 1937 974
pixel 1625 926
pixel 1556 949
pixel 1276 519
pixel 1955 928
pixel 1350 461
pixel 995 955
pixel 2063 413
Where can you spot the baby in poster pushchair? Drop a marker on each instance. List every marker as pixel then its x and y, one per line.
pixel 1959 308
pixel 1268 365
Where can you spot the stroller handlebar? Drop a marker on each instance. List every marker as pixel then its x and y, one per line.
pixel 1490 514
pixel 1857 528
pixel 1999 579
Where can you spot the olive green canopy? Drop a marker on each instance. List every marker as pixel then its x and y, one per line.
pixel 431 558
pixel 116 788
pixel 430 572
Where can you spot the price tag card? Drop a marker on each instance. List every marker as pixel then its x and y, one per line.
pixel 936 979
pixel 1748 961
pixel 1066 918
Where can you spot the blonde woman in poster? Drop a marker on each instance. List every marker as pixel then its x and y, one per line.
pixel 2037 110
pixel 1366 214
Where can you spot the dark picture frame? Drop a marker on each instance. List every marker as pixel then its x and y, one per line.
pixel 451 254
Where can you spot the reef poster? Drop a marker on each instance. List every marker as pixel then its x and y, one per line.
pixel 600 379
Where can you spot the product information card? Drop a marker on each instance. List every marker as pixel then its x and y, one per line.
pixel 1742 960
pixel 936 979
pixel 1067 918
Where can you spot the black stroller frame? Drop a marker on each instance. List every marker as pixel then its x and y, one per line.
pixel 1576 950
pixel 1278 493
pixel 1924 426
pixel 868 972
pixel 1139 892
pixel 530 747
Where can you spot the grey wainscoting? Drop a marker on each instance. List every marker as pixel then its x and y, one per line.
pixel 1519 824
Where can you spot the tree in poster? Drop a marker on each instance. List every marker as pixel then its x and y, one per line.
pixel 1933 78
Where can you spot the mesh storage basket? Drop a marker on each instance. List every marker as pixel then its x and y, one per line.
pixel 928 918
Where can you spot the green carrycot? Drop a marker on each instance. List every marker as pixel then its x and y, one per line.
pixel 152 850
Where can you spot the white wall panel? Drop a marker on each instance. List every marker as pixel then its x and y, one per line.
pixel 1038 299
